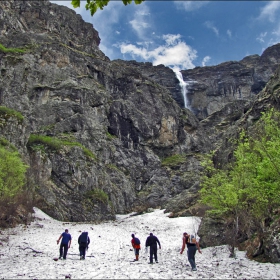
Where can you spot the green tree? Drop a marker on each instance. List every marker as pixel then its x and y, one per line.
pixel 249 189
pixel 94 5
pixel 12 172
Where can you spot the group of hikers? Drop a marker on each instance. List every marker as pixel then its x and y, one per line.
pixel 65 244
pixel 152 241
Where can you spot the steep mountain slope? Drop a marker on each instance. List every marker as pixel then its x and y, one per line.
pixel 94 132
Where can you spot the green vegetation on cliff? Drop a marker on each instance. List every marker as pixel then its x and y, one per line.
pixel 39 141
pixel 8 113
pixel 11 50
pixel 173 160
pixel 12 171
pixel 16 195
pixel 98 194
pixel 249 190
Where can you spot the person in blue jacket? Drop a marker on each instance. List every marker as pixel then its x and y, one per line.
pixel 65 244
pixel 83 241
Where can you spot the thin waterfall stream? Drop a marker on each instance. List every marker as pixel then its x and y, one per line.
pixel 183 85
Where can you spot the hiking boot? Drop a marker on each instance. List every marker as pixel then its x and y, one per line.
pixel 60 258
pixel 150 263
pixel 194 269
pixel 156 261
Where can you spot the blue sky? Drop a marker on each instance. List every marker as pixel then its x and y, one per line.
pixel 185 34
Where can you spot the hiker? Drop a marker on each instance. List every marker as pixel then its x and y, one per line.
pixel 135 242
pixel 152 241
pixel 65 244
pixel 83 241
pixel 192 245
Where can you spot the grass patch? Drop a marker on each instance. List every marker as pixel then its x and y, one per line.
pixel 113 167
pixel 8 113
pixel 98 194
pixel 56 144
pixel 12 50
pixel 173 160
pixel 5 143
pixel 110 136
pixel 47 127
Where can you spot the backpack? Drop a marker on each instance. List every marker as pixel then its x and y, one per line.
pixel 83 240
pixel 136 241
pixel 192 239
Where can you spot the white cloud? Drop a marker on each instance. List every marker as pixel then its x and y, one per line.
pixel 229 33
pixel 205 60
pixel 171 39
pixel 269 11
pixel 141 21
pixel 275 36
pixel 190 5
pixel 174 53
pixel 261 37
pixel 276 32
pixel 210 25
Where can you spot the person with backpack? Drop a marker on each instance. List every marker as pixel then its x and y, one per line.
pixel 83 241
pixel 152 241
pixel 135 242
pixel 65 244
pixel 192 245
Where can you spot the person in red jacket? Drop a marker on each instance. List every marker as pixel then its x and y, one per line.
pixel 135 242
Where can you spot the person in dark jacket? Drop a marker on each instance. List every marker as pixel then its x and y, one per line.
pixel 192 247
pixel 83 241
pixel 152 241
pixel 65 244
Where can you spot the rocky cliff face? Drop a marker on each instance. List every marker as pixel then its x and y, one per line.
pixel 95 132
pixel 211 88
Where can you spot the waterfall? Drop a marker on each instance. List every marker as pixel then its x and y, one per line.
pixel 183 85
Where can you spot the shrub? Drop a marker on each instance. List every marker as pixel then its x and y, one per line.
pixel 12 172
pixel 98 194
